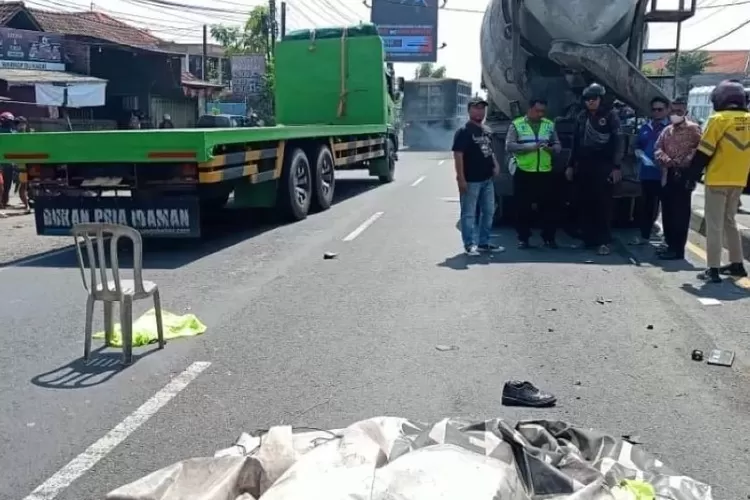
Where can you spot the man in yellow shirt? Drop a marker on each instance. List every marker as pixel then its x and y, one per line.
pixel 724 152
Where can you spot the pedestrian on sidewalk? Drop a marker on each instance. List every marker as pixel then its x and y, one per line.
pixel 595 161
pixel 674 152
pixel 724 152
pixel 650 171
pixel 531 140
pixel 22 188
pixel 7 126
pixel 476 167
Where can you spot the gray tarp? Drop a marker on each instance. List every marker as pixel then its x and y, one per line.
pixel 390 458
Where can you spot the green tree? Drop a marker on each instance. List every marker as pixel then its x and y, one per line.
pixel 690 63
pixel 254 37
pixel 428 70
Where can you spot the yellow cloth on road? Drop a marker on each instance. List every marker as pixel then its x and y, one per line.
pixel 144 328
pixel 633 489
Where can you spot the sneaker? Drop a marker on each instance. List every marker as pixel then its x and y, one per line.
pixel 472 250
pixel 517 393
pixel 736 270
pixel 711 275
pixel 489 247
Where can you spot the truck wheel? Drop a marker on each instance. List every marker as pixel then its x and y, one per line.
pixel 324 178
pixel 295 186
pixel 390 157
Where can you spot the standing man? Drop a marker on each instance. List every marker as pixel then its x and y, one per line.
pixel 724 152
pixel 476 168
pixel 531 140
pixel 674 152
pixel 595 165
pixel 166 121
pixel 7 126
pixel 650 171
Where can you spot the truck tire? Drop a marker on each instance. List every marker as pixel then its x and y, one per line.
pixel 390 158
pixel 324 179
pixel 295 186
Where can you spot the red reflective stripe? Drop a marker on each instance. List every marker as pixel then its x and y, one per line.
pixel 173 154
pixel 26 156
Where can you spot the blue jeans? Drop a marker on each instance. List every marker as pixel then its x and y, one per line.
pixel 481 194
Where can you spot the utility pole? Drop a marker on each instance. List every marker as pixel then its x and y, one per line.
pixel 272 24
pixel 204 59
pixel 283 19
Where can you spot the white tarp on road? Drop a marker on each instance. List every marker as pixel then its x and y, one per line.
pixel 390 458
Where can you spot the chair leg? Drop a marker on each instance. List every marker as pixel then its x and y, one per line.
pixel 159 325
pixel 88 332
pixel 109 322
pixel 126 325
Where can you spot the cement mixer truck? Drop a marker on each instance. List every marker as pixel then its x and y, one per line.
pixel 553 49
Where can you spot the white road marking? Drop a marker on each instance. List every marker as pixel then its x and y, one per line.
pixel 351 236
pixel 441 162
pixel 100 449
pixel 450 200
pixel 416 183
pixel 36 258
pixel 709 302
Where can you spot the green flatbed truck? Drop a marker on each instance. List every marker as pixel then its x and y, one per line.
pixel 334 100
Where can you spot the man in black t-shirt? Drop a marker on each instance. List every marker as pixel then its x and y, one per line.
pixel 476 167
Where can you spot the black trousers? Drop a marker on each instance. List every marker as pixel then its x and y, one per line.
pixel 594 196
pixel 7 171
pixel 651 193
pixel 538 188
pixel 675 213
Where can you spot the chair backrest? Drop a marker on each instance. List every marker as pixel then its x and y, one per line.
pixel 95 237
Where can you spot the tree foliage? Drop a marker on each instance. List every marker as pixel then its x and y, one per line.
pixel 254 37
pixel 429 70
pixel 690 63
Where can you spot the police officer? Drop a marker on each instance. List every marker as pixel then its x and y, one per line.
pixel 531 140
pixel 595 161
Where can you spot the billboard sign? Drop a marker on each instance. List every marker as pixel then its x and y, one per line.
pixel 247 74
pixel 408 29
pixel 34 50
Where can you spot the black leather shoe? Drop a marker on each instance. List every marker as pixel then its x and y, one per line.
pixel 734 270
pixel 518 393
pixel 711 275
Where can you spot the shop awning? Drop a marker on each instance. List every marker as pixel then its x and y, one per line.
pixel 31 77
pixel 59 88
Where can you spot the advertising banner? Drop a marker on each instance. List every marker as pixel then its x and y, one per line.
pixel 247 74
pixel 408 29
pixel 35 50
pixel 170 217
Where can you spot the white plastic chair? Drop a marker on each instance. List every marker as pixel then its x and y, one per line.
pixel 95 237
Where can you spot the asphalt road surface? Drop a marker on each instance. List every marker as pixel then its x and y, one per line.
pixel 300 340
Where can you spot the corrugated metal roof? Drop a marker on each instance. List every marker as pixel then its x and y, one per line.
pixel 29 76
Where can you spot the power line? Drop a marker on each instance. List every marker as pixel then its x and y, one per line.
pixel 721 37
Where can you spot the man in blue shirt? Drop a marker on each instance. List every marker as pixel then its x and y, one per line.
pixel 650 171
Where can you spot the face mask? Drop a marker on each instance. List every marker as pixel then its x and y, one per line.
pixel 675 119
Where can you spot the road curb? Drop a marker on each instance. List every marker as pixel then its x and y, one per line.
pixel 698 224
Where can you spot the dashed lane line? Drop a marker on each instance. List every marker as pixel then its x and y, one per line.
pixel 354 234
pixel 418 181
pixel 77 467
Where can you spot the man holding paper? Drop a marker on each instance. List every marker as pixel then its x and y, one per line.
pixel 650 171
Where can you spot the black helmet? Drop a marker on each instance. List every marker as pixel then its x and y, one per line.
pixel 728 94
pixel 476 101
pixel 594 90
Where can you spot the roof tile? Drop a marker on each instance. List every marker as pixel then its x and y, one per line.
pixel 722 61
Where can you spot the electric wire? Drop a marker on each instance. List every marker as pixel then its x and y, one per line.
pixel 723 36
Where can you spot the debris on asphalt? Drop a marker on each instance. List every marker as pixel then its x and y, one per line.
pixel 709 302
pixel 330 255
pixel 550 330
pixel 650 327
pixel 577 382
pixel 444 348
pixel 697 355
pixel 720 357
pixel 552 309
pixel 588 261
pixel 602 300
pixel 632 438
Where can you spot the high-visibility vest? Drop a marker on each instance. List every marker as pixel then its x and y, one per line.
pixel 539 160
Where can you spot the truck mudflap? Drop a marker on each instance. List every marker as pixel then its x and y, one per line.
pixel 611 68
pixel 164 217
